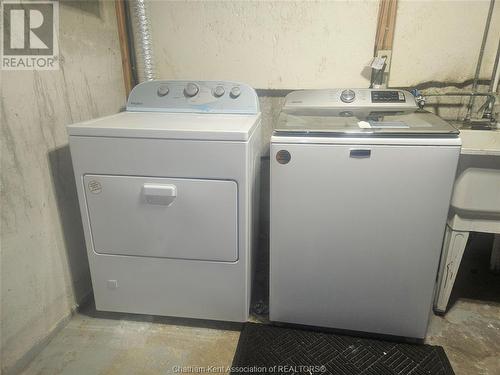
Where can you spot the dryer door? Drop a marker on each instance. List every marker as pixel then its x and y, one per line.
pixel 163 217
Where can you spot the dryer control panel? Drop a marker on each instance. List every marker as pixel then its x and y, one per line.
pixel 194 97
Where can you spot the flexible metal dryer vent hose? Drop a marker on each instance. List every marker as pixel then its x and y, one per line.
pixel 143 43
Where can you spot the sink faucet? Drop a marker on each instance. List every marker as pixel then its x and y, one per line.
pixel 486 108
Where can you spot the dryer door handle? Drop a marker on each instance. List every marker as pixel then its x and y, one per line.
pixel 162 194
pixel 360 153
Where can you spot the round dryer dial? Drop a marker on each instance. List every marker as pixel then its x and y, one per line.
pixel 219 91
pixel 235 92
pixel 191 90
pixel 347 96
pixel 162 90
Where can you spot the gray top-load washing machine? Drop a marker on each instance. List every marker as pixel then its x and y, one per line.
pixel 360 187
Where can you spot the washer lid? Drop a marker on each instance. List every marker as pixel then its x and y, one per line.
pixel 358 112
pixel 195 126
pixel 361 123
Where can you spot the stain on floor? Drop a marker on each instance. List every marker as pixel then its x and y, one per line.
pixel 127 344
pixel 470 330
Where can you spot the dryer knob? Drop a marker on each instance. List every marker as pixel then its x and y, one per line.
pixel 191 90
pixel 235 92
pixel 219 91
pixel 347 96
pixel 162 90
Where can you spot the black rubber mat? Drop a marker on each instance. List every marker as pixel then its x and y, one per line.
pixel 265 349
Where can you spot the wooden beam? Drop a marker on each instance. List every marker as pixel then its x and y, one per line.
pixel 121 20
pixel 385 25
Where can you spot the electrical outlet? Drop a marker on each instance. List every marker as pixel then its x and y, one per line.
pixel 387 53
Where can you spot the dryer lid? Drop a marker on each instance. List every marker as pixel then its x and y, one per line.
pixel 192 126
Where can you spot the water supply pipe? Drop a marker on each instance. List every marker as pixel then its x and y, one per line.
pixel 480 59
pixel 495 74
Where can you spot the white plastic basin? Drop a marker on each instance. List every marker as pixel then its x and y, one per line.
pixel 480 142
pixel 477 186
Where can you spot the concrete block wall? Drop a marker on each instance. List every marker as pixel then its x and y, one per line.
pixel 297 45
pixel 44 267
pixel 276 45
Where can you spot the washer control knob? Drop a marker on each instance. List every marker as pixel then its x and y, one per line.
pixel 218 91
pixel 347 96
pixel 191 90
pixel 162 90
pixel 235 92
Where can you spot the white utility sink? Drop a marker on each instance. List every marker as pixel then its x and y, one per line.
pixel 475 205
pixel 476 193
pixel 480 142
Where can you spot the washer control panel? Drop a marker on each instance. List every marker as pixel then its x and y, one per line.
pixel 388 96
pixel 350 99
pixel 194 97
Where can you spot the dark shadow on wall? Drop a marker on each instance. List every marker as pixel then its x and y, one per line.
pixel 260 288
pixel 63 182
pixel 474 280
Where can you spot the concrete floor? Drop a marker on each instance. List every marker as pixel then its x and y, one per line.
pixel 111 343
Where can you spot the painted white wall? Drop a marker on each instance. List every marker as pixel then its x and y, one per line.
pixel 440 41
pixel 44 267
pixel 290 44
pixel 268 44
